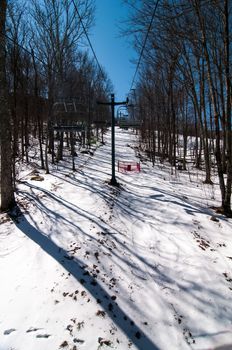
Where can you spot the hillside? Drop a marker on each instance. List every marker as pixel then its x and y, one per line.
pixel 87 266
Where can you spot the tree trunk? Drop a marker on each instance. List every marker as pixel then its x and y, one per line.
pixel 227 204
pixel 212 91
pixel 72 151
pixel 6 183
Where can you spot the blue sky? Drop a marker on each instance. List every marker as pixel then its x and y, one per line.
pixel 113 52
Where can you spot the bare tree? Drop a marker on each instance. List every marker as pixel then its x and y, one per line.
pixel 188 50
pixel 6 189
pixel 225 184
pixel 57 32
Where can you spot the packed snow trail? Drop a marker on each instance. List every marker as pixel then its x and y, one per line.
pixel 88 266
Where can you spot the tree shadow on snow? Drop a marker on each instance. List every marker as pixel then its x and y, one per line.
pixel 135 211
pixel 77 268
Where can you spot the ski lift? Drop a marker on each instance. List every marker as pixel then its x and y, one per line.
pixel 69 116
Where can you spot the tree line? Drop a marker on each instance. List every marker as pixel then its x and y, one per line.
pixel 45 67
pixel 184 86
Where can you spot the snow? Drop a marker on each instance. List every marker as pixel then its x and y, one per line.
pixel 89 266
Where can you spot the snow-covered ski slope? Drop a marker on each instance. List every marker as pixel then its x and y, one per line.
pixel 87 266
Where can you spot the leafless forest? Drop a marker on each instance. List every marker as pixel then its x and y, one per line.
pixel 49 85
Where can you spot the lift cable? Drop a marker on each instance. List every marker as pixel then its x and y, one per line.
pixel 144 44
pixel 187 10
pixel 88 39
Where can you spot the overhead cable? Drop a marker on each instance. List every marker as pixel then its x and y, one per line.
pixel 144 44
pixel 88 39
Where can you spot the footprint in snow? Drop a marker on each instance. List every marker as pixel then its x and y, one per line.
pixel 79 341
pixel 32 329
pixel 9 331
pixel 139 273
pixel 43 335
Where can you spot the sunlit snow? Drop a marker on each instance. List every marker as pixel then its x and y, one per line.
pixel 89 266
